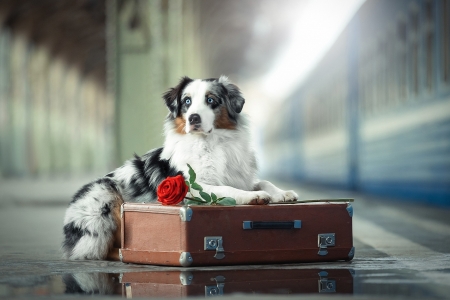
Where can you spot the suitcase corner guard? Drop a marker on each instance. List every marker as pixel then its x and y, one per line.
pixel 351 254
pixel 186 259
pixel 350 210
pixel 186 278
pixel 186 213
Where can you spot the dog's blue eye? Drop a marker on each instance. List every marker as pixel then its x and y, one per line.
pixel 210 100
pixel 187 101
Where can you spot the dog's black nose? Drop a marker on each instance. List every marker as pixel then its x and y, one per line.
pixel 194 119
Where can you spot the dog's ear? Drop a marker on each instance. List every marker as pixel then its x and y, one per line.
pixel 173 96
pixel 236 101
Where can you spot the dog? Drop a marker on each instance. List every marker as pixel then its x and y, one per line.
pixel 205 128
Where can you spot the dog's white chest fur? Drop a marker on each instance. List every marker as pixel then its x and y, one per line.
pixel 220 158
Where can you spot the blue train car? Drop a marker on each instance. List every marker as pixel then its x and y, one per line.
pixel 374 115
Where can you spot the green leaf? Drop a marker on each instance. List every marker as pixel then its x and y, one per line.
pixel 227 201
pixel 221 198
pixel 196 201
pixel 199 199
pixel 192 175
pixel 205 196
pixel 196 186
pixel 214 197
pixel 190 202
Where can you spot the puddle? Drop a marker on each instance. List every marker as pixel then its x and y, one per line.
pixel 186 283
pixel 214 283
pixel 228 282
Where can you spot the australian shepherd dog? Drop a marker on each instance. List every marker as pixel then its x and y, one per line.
pixel 204 128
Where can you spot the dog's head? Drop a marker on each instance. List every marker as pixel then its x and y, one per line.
pixel 203 105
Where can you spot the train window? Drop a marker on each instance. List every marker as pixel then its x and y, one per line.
pixel 429 42
pixel 402 58
pixel 414 23
pixel 362 93
pixel 324 108
pixel 391 66
pixel 362 69
pixel 381 91
pixel 365 76
pixel 445 40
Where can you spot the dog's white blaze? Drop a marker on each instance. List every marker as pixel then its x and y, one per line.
pixel 224 157
pixel 197 90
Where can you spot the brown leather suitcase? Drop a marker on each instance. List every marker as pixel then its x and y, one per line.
pixel 229 235
pixel 225 282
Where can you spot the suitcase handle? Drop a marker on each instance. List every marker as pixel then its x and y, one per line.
pixel 296 224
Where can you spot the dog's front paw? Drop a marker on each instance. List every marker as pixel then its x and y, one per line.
pixel 254 198
pixel 285 196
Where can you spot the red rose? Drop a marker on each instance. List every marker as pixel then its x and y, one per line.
pixel 172 190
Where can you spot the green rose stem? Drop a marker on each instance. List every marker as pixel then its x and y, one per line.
pixel 196 200
pixel 210 199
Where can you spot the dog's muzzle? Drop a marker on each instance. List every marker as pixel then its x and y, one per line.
pixel 195 124
pixel 195 121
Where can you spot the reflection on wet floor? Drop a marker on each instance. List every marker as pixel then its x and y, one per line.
pixel 228 282
pixel 191 283
pixel 211 283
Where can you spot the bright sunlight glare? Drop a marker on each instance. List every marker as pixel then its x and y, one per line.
pixel 319 24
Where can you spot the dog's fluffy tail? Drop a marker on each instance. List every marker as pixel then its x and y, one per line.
pixel 91 220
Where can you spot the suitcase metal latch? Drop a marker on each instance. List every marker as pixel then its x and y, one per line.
pixel 326 285
pixel 325 240
pixel 215 290
pixel 215 243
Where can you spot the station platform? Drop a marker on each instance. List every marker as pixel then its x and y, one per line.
pixel 402 252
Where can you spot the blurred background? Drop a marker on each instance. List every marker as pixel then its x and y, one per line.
pixel 351 93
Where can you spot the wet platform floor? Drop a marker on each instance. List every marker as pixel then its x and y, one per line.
pixel 402 251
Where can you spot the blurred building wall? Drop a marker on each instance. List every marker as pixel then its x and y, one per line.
pixel 57 118
pixel 156 44
pixel 53 119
